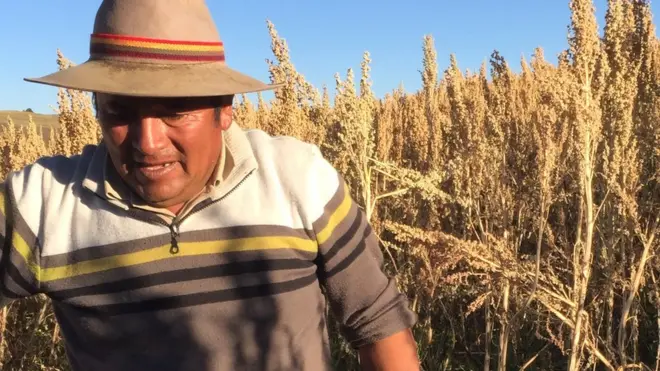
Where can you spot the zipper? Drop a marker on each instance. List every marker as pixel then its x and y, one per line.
pixel 174 231
pixel 174 226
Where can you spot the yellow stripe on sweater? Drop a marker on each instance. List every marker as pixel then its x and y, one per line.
pixel 336 218
pixel 185 249
pixel 2 202
pixel 26 252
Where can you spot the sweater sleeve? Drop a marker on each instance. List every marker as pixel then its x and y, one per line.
pixel 364 300
pixel 19 261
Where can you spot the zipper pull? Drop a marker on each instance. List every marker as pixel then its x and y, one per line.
pixel 174 249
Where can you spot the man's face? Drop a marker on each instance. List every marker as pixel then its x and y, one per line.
pixel 165 149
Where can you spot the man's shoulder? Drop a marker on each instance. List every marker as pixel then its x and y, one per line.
pixel 298 166
pixel 290 157
pixel 53 173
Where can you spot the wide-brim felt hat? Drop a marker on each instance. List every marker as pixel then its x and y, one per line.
pixel 155 48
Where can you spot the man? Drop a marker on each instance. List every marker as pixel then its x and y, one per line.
pixel 182 242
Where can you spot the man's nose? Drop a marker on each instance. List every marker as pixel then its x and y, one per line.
pixel 149 136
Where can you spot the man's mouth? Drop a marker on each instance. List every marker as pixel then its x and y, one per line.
pixel 155 170
pixel 156 166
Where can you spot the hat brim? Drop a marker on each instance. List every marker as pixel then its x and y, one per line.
pixel 154 80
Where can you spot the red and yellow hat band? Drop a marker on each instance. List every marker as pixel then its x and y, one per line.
pixel 107 46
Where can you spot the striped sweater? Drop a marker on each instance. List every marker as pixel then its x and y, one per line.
pixel 240 281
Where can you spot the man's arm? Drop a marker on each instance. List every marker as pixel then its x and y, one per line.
pixel 374 316
pixel 19 262
pixel 397 352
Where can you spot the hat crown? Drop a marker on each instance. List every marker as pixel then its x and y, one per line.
pixel 177 20
pixel 156 31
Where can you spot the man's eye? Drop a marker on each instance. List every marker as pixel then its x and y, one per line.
pixel 116 114
pixel 174 118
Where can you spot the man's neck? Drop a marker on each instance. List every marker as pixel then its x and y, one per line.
pixel 210 182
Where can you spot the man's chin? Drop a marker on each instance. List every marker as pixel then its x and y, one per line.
pixel 159 198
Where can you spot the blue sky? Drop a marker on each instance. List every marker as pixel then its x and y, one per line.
pixel 324 37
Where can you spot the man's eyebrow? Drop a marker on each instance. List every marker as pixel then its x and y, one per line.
pixel 116 104
pixel 167 104
pixel 188 104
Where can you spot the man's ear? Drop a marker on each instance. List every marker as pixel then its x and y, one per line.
pixel 226 117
